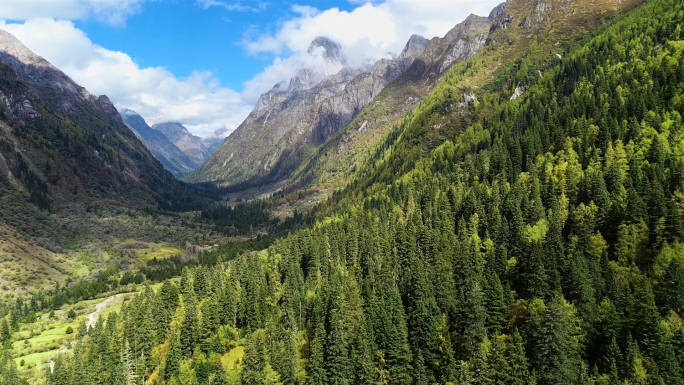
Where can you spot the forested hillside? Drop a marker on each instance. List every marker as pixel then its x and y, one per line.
pixel 542 244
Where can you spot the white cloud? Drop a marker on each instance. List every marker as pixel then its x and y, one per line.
pixel 198 101
pixel 113 12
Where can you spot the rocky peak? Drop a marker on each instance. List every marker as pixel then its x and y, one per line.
pixel 331 50
pixel 190 144
pixel 46 79
pixel 108 107
pixel 172 130
pixel 10 45
pixel 497 11
pixel 131 116
pixel 499 18
pixel 414 47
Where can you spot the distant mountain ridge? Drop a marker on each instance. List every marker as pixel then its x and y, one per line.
pixel 173 159
pixel 293 120
pixel 192 146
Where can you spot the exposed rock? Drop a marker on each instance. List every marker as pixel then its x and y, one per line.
pixel 19 106
pixel 109 160
pixel 107 106
pixel 469 99
pixel 47 81
pixel 497 11
pixel 5 172
pixel 526 22
pixel 414 47
pixel 541 8
pixel 214 140
pixel 499 18
pixel 518 92
pixel 191 145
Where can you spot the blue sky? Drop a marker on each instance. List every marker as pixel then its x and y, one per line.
pixel 204 63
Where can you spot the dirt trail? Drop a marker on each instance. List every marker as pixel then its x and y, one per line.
pixel 92 317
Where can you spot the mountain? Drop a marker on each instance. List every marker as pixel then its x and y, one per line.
pixel 291 121
pixel 214 140
pixel 173 159
pixel 334 163
pixel 75 181
pixel 58 141
pixel 189 144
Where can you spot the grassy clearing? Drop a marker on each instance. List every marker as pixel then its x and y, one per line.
pixel 141 252
pixel 38 343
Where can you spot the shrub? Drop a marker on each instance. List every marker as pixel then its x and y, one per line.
pixel 69 330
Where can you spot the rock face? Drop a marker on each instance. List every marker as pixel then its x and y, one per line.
pixel 189 144
pixel 159 145
pixel 59 140
pixel 415 46
pixel 292 120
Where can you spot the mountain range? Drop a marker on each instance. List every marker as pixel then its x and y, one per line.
pixel 172 144
pixel 293 120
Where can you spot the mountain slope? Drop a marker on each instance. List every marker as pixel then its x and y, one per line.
pixel 192 146
pixel 173 159
pixel 58 141
pixel 525 38
pixel 291 121
pixel 335 162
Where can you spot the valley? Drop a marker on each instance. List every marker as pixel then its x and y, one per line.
pixel 503 204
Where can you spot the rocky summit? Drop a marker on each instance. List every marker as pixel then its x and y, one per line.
pixel 192 146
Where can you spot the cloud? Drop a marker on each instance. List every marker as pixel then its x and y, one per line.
pixel 113 12
pixel 369 32
pixel 198 101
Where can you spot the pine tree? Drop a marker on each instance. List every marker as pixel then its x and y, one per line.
pixel 337 366
pixel 612 358
pixel 558 356
pixel 316 373
pixel 130 368
pixel 497 309
pixel 209 324
pixel 670 293
pixel 253 363
pixel 474 315
pixel 499 369
pixel 445 362
pixel 5 332
pixel 174 357
pixel 190 329
pixel 518 363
